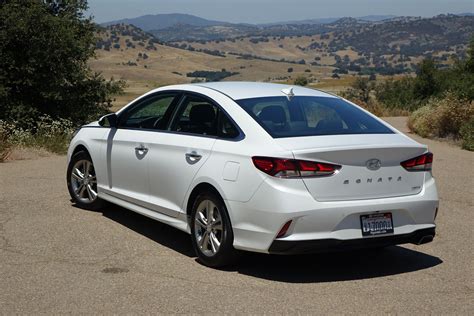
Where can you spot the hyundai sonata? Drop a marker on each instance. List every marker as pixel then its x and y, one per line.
pixel 258 167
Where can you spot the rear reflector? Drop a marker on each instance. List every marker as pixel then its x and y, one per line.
pixel 291 168
pixel 284 229
pixel 420 163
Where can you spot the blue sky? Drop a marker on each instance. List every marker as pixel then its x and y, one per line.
pixel 262 11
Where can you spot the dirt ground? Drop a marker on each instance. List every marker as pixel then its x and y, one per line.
pixel 55 258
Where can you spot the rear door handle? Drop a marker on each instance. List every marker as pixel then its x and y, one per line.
pixel 141 148
pixel 193 157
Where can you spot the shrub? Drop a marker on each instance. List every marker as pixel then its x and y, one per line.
pixel 467 135
pixel 53 135
pixel 301 81
pixel 444 117
pixel 379 109
pixel 5 145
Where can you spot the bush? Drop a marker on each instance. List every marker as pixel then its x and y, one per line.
pixel 444 117
pixel 5 145
pixel 301 81
pixel 45 132
pixel 378 109
pixel 467 135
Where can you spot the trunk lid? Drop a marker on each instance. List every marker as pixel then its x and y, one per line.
pixel 361 177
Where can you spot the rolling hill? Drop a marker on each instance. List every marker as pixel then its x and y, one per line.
pixel 162 21
pixel 328 54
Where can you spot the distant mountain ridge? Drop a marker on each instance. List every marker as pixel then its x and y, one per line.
pixel 162 21
pixel 185 27
pixel 154 22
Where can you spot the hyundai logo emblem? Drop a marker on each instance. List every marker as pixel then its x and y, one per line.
pixel 373 164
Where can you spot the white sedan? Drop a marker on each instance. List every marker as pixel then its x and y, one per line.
pixel 257 167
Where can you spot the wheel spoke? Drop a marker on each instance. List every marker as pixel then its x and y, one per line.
pixel 209 211
pixel 77 174
pixel 214 242
pixel 202 218
pixel 200 221
pixel 204 241
pixel 92 179
pixel 87 166
pixel 217 224
pixel 81 190
pixel 91 193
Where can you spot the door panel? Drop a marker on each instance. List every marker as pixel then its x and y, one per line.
pixel 127 151
pixel 128 164
pixel 173 162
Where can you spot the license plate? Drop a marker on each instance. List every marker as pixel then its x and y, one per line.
pixel 376 224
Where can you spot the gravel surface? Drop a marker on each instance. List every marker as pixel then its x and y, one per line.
pixel 55 258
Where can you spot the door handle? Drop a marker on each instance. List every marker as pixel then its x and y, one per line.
pixel 193 157
pixel 141 148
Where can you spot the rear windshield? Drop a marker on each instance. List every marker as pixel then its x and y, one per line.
pixel 310 116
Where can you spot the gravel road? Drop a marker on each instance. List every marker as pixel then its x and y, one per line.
pixel 55 258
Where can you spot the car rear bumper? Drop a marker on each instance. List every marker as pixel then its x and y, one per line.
pixel 256 223
pixel 418 237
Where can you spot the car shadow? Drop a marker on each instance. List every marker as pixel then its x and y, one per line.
pixel 160 233
pixel 327 267
pixel 340 266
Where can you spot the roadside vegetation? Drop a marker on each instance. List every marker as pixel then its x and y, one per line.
pixel 46 85
pixel 439 101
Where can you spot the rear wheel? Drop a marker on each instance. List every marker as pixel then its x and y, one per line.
pixel 211 231
pixel 82 182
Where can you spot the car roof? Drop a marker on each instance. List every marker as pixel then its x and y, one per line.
pixel 246 90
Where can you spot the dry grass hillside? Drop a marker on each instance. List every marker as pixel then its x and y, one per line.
pixel 145 66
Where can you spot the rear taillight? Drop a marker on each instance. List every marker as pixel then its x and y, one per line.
pixel 420 163
pixel 291 168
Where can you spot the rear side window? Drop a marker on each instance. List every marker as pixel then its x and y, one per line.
pixel 310 116
pixel 196 116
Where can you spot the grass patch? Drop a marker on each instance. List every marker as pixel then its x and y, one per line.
pixel 45 133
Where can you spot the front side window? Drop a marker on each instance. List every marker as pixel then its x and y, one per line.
pixel 310 116
pixel 151 113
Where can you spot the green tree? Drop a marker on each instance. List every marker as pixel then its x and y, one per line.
pixel 469 65
pixel 397 93
pixel 426 84
pixel 44 49
pixel 301 81
pixel 360 89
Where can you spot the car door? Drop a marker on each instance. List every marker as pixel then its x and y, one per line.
pixel 128 146
pixel 176 156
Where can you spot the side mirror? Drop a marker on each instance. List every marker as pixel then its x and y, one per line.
pixel 109 120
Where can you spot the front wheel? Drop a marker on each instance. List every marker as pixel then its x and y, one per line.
pixel 82 182
pixel 211 231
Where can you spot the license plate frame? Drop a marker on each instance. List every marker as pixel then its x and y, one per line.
pixel 376 224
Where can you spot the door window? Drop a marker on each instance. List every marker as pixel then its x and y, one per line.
pixel 196 116
pixel 152 113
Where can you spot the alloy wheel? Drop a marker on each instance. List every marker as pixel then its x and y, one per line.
pixel 84 181
pixel 208 228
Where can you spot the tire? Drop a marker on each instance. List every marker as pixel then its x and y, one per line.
pixel 204 236
pixel 82 182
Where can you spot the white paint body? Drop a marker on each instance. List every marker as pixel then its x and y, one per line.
pixel 159 184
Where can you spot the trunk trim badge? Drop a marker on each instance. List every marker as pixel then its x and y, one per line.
pixel 378 180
